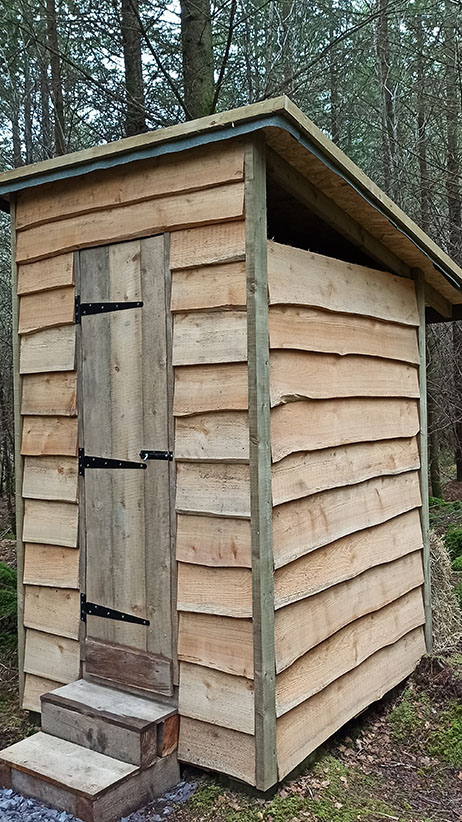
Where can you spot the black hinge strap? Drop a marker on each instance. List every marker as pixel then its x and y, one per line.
pixel 156 455
pixel 92 609
pixel 86 461
pixel 85 309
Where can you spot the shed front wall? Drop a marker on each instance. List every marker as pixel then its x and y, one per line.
pixel 198 198
pixel 347 535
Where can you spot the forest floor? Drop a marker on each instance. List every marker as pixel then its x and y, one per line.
pixel 401 760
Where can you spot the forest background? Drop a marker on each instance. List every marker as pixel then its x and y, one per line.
pixel 382 78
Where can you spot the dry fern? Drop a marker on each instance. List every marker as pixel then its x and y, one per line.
pixel 447 616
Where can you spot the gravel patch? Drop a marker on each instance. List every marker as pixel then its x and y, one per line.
pixel 17 808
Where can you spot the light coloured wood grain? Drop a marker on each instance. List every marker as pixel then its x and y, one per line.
pixel 206 287
pixel 220 489
pixel 34 688
pixel 296 375
pixel 53 478
pixel 302 525
pixel 299 277
pixel 218 642
pixel 203 388
pixel 347 557
pixel 221 436
pixel 46 309
pixel 49 756
pixel 312 329
pixel 304 624
pixel 50 656
pixel 225 202
pixel 225 591
pixel 52 609
pixel 217 749
pixel 214 697
pixel 304 473
pixel 215 541
pixel 201 337
pixel 49 394
pixel 51 565
pixel 133 183
pixel 348 648
pixel 302 730
pixel 49 436
pixel 207 245
pixel 52 349
pixel 46 274
pixel 53 523
pixel 312 424
pixel 113 426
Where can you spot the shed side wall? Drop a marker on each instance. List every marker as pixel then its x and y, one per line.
pixel 201 193
pixel 346 495
pixel 215 637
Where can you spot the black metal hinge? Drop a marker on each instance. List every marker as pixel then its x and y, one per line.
pixel 104 462
pixel 86 309
pixel 92 609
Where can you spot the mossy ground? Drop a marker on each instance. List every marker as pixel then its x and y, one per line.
pixel 401 761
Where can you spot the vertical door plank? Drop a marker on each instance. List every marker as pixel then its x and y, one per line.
pixel 97 437
pixel 156 436
pixel 126 420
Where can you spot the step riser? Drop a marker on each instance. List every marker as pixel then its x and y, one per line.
pixel 136 746
pixel 114 803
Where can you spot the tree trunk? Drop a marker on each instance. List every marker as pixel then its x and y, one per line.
pixel 16 135
pixel 45 122
pixel 454 208
pixel 424 195
pixel 334 95
pixel 388 111
pixel 433 438
pixel 56 82
pixel 197 50
pixel 28 111
pixel 135 121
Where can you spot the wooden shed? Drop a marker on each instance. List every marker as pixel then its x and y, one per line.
pixel 221 453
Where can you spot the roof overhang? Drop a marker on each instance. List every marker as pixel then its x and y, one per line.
pixel 290 133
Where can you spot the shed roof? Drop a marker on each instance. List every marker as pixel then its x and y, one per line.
pixel 371 216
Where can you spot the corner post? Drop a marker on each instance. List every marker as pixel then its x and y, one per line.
pixel 260 465
pixel 419 281
pixel 18 461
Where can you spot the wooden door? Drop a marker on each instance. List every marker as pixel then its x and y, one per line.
pixel 124 381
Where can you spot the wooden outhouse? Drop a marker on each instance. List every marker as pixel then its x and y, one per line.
pixel 221 453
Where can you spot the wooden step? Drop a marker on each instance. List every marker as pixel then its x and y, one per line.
pixel 126 727
pixel 86 784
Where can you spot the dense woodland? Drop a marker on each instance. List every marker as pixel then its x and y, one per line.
pixel 383 78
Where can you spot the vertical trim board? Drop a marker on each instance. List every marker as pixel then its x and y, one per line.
pixel 419 281
pixel 260 465
pixel 18 462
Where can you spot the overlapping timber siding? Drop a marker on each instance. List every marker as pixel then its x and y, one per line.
pixel 215 638
pixel 347 537
pixel 186 194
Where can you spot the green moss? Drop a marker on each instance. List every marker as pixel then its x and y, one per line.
pixel 284 809
pixel 457 564
pixel 409 714
pixel 446 742
pixel 205 796
pixel 453 541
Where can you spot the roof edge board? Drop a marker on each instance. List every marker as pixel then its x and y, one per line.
pixel 277 113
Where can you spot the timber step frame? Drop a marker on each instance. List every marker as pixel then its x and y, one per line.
pixel 87 784
pixel 118 724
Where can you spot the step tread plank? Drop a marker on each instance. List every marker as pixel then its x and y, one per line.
pixel 109 703
pixel 62 763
